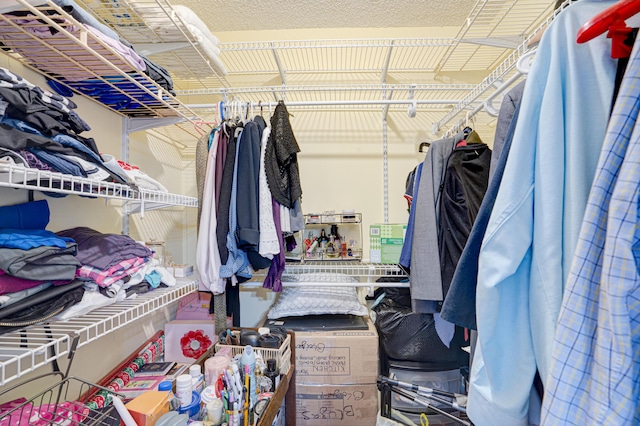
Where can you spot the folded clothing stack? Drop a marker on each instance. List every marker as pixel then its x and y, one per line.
pixel 63 275
pixel 41 130
pixel 113 267
pixel 37 268
pixel 141 179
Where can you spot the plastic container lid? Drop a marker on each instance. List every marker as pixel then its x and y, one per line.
pixel 208 394
pixel 193 409
pixel 165 385
pixel 195 371
pixel 183 380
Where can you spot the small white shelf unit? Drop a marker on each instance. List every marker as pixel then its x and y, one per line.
pixel 366 272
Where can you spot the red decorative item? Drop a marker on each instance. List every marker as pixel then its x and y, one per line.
pixel 195 343
pixel 186 340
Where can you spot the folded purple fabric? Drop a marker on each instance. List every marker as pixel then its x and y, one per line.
pixel 103 251
pixel 11 284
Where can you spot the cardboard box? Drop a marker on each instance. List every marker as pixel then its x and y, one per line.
pixel 385 242
pixel 147 408
pixel 194 306
pixel 335 405
pixel 187 340
pixel 341 357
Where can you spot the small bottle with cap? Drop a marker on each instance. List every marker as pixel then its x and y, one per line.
pixel 197 378
pixel 273 373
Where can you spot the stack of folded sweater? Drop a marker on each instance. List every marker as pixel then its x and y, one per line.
pixel 62 275
pixel 37 268
pixel 41 130
pixel 113 267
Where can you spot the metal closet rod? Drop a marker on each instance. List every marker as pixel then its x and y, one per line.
pixel 337 103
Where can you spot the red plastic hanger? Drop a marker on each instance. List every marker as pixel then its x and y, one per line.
pixel 612 21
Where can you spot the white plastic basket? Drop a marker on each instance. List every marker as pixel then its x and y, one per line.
pixel 282 355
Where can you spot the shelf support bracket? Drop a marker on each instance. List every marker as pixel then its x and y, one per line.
pixel 126 129
pixel 385 66
pixel 385 109
pixel 281 70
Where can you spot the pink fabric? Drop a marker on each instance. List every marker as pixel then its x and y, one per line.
pixel 67 413
pixel 115 273
pixel 11 284
pixel 42 57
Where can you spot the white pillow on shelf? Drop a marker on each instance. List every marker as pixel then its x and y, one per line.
pixel 317 300
pixel 188 16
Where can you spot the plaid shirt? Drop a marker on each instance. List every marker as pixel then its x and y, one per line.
pixel 595 372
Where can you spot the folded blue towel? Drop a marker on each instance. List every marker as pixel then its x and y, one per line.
pixel 33 215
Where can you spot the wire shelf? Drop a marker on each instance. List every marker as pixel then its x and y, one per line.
pixel 343 56
pixel 26 350
pixel 54 44
pixel 61 404
pixel 493 27
pixel 153 25
pixel 12 176
pixel 354 269
pixel 500 73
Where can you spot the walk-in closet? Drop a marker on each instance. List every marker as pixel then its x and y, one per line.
pixel 296 213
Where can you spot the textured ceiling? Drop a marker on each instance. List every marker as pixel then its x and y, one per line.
pixel 256 15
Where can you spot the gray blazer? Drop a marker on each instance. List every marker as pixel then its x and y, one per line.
pixel 425 278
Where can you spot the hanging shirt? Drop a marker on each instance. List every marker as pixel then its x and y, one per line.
pixel 237 263
pixel 207 254
pixel 425 279
pixel 247 195
pixel 405 255
pixel 459 306
pixel 534 225
pixel 269 243
pixel 225 192
pixel 595 371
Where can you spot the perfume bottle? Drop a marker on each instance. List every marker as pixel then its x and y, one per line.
pixel 333 249
pixel 323 239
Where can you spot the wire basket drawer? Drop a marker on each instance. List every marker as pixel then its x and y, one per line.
pixel 60 404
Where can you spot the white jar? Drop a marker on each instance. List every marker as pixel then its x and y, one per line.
pixel 214 411
pixel 184 389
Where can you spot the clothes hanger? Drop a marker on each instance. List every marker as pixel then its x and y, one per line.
pixel 424 145
pixel 612 21
pixel 603 21
pixel 197 126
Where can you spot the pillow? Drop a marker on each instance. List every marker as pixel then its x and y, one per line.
pixel 314 300
pixel 208 49
pixel 188 16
